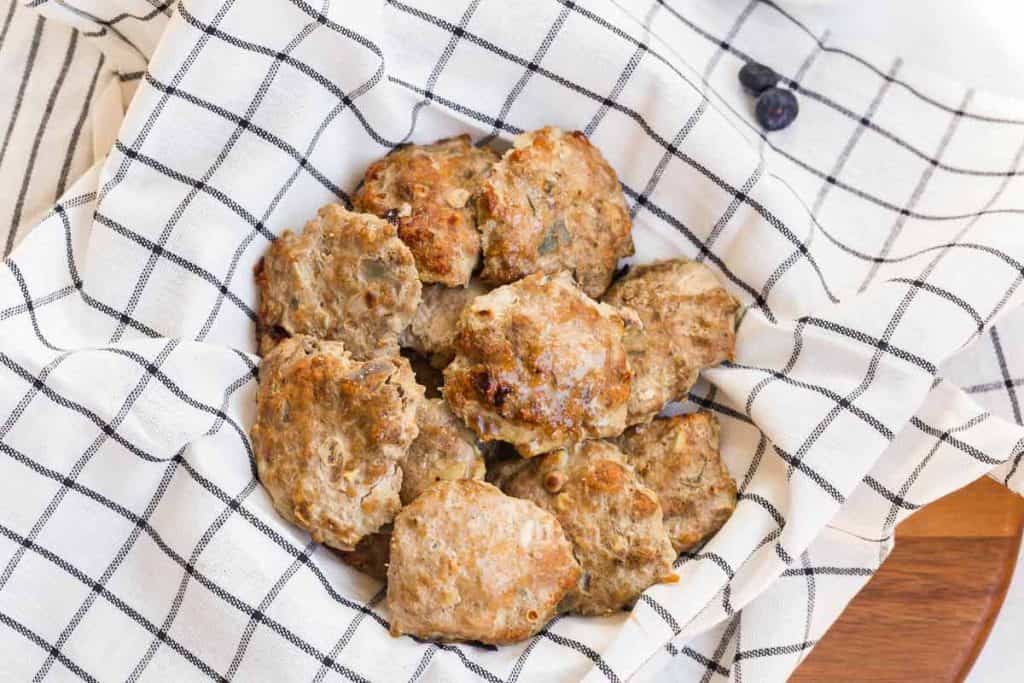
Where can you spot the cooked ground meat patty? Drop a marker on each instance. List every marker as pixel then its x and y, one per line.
pixel 678 459
pixel 329 434
pixel 689 323
pixel 427 191
pixel 612 519
pixel 346 277
pixel 444 450
pixel 431 332
pixel 540 365
pixel 553 203
pixel 470 563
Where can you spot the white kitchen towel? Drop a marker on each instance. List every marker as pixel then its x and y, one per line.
pixel 870 243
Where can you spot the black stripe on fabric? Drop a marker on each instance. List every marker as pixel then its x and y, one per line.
pixel 470 665
pixel 23 287
pixel 723 643
pixel 620 84
pixel 198 186
pixel 92 302
pixel 860 60
pixel 255 129
pixel 1011 390
pixel 51 102
pixel 107 430
pixel 911 479
pixel 217 590
pixel 40 302
pixel 839 401
pixel 428 657
pixel 29 395
pixel 35 639
pixel 973 389
pixel 805 561
pixel 106 26
pixel 158 8
pixel 1019 448
pixel 794 355
pixel 718 560
pixel 878 344
pixel 56 398
pixel 112 567
pixel 586 651
pixel 720 408
pixel 641 200
pixel 697 657
pixel 826 186
pixel 660 610
pixel 919 188
pixel 961 446
pixel 811 474
pixel 7 22
pixel 177 260
pixel 766 504
pixel 302 68
pixel 438 69
pixel 825 570
pixel 345 31
pixel 775 650
pixel 256 617
pixel 76 132
pixel 553 29
pixel 349 632
pixel 26 75
pixel 890 496
pixel 947 295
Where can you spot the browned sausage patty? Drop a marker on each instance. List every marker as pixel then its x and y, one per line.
pixel 689 324
pixel 431 332
pixel 346 277
pixel 612 519
pixel 470 563
pixel 540 365
pixel 444 450
pixel 427 191
pixel 328 437
pixel 553 203
pixel 678 459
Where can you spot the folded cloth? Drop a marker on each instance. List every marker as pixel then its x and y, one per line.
pixel 870 243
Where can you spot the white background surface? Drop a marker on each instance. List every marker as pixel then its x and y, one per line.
pixel 980 43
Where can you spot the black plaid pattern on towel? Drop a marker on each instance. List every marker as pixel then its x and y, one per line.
pixel 872 244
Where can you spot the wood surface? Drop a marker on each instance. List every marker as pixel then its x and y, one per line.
pixel 927 612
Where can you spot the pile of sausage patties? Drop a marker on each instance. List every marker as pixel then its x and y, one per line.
pixel 460 391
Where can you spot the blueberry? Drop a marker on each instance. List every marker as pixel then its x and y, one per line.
pixel 756 78
pixel 776 108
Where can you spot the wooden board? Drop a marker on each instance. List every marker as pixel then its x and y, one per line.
pixel 926 614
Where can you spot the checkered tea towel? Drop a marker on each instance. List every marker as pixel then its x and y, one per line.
pixel 875 245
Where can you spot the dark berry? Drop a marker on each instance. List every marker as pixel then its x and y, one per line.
pixel 756 78
pixel 776 108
